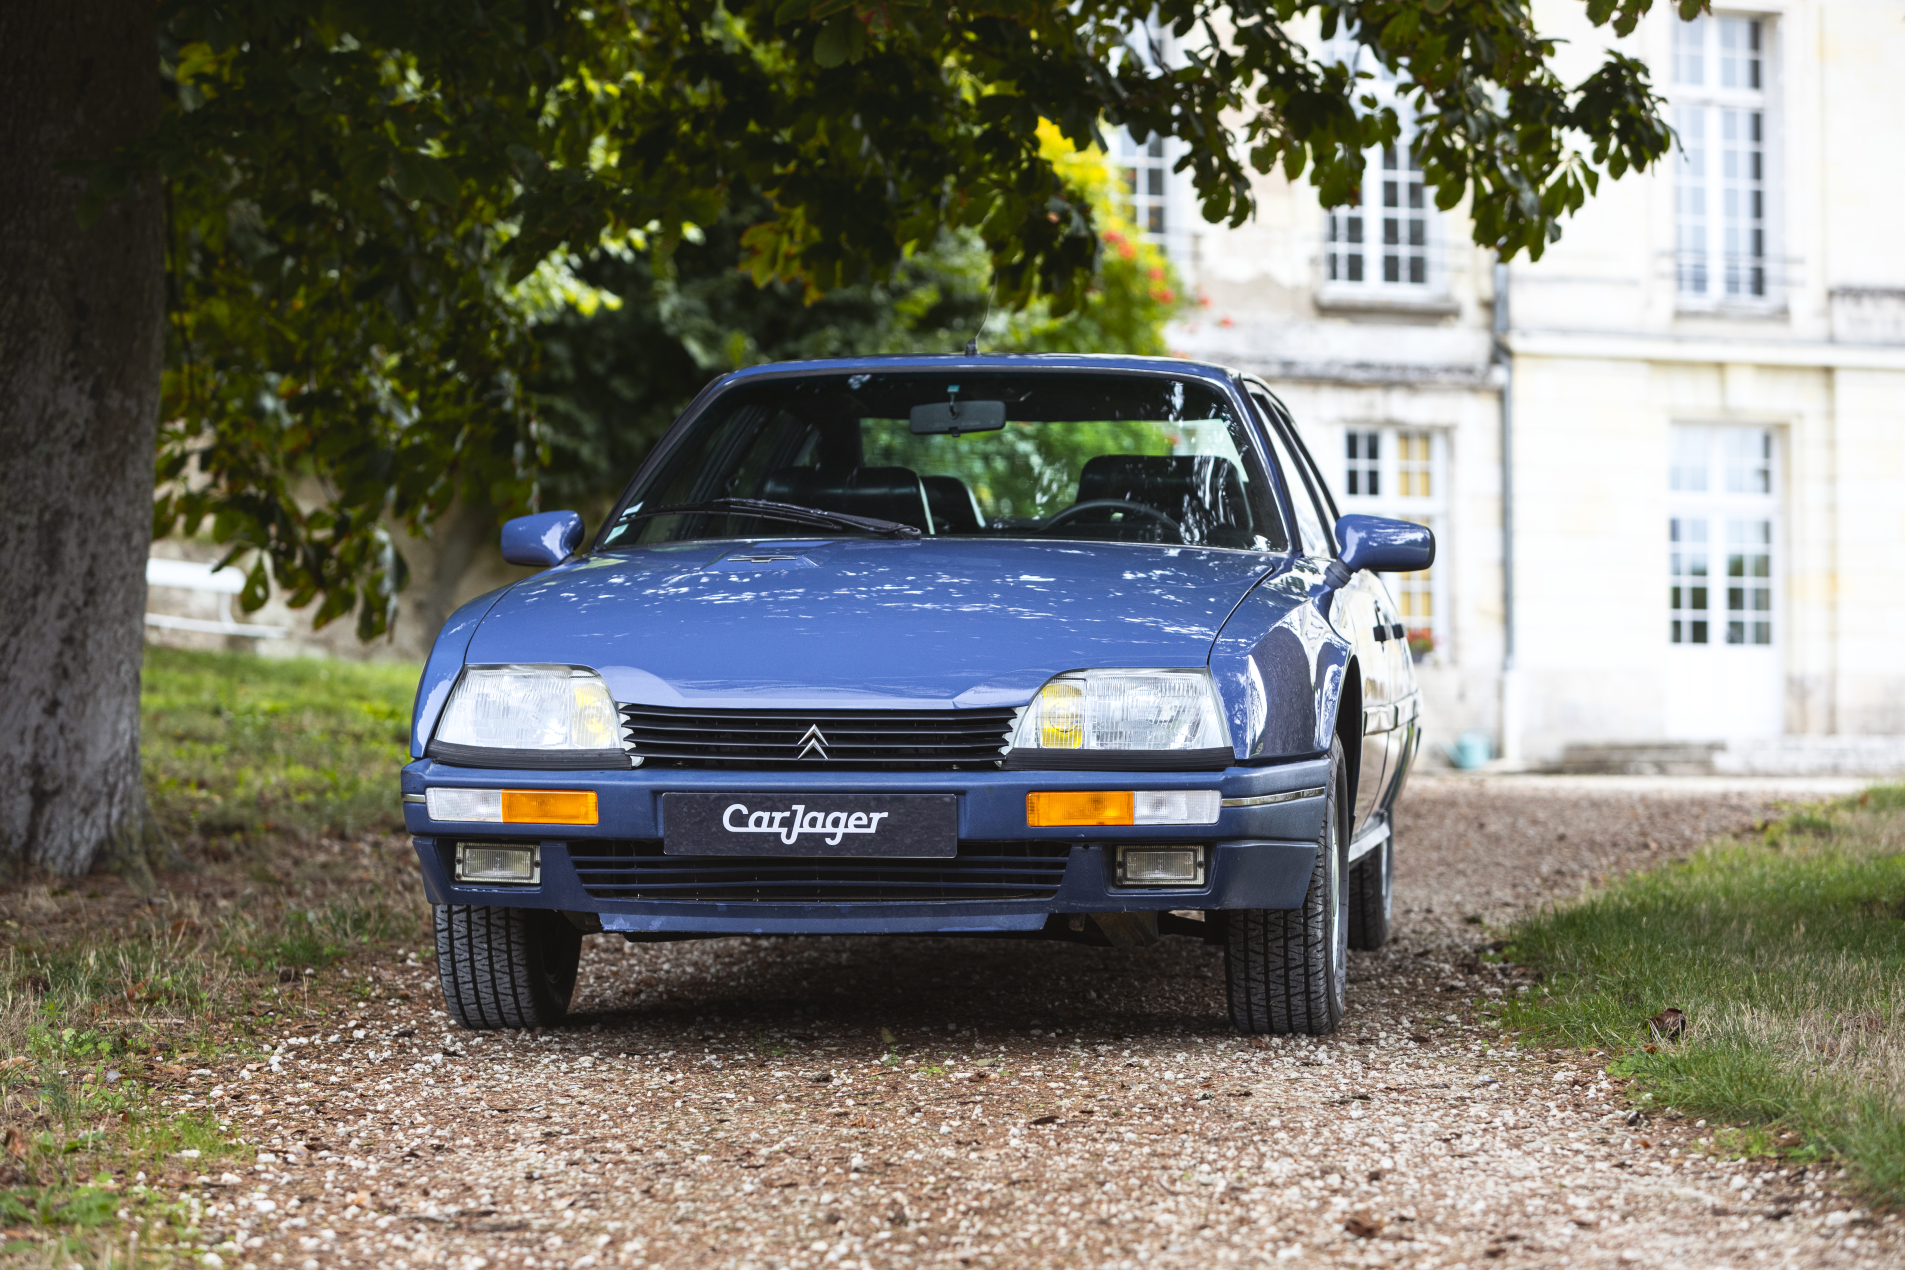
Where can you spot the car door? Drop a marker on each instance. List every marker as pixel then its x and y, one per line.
pixel 1353 613
pixel 1388 675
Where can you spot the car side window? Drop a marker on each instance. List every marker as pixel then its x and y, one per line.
pixel 1318 485
pixel 1309 522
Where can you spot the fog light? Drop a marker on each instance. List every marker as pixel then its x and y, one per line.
pixel 1160 866
pixel 492 862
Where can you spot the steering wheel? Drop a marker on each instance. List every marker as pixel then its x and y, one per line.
pixel 1144 510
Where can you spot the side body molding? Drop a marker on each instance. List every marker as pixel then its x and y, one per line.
pixel 1280 665
pixel 445 664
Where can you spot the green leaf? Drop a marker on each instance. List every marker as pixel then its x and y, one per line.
pixel 835 42
pixel 419 176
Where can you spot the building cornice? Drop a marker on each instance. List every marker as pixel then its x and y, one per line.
pixel 1708 349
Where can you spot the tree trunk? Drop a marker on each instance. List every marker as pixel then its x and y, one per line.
pixel 81 325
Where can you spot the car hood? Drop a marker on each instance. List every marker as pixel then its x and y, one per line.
pixel 836 622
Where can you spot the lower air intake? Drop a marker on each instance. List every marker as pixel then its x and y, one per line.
pixel 618 870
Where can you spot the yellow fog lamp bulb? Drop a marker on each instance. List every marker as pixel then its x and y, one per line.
pixel 1062 716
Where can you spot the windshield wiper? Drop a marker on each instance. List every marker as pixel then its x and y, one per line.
pixel 792 513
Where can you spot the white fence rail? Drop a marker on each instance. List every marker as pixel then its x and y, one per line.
pixel 190 575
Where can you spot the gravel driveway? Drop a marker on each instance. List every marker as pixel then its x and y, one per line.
pixel 876 1102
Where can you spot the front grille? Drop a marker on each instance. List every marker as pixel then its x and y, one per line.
pixel 620 870
pixel 867 740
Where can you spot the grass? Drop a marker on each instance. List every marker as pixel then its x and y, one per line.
pixel 276 782
pixel 1786 953
pixel 239 748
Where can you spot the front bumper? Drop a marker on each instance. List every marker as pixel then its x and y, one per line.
pixel 1259 856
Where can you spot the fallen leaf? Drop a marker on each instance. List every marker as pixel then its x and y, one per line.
pixel 16 1144
pixel 1363 1224
pixel 12 1063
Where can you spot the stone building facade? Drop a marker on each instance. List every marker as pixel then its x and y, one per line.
pixel 1666 462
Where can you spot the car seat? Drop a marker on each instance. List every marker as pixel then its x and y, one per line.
pixel 955 510
pixel 1203 493
pixel 883 493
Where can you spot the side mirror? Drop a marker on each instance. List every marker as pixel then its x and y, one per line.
pixel 542 540
pixel 1383 545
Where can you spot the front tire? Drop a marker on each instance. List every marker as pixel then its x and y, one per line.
pixel 1287 969
pixel 506 967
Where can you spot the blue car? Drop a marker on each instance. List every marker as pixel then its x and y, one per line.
pixel 1046 646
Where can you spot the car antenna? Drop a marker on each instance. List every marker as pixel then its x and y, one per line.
pixel 972 345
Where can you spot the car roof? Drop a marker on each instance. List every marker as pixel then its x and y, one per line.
pixel 983 362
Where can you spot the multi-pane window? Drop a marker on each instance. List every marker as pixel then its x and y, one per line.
pixel 1688 586
pixel 1384 239
pixel 1415 465
pixel 1720 536
pixel 1749 581
pixel 1720 179
pixel 1147 181
pixel 1399 472
pixel 1362 474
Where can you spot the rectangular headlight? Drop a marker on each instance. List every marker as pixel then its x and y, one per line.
pixel 497 862
pixel 1160 866
pixel 514 806
pixel 1123 807
pixel 1154 710
pixel 534 708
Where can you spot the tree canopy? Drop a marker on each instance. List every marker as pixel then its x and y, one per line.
pixel 371 207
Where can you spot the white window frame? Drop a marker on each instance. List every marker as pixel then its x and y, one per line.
pixel 1718 489
pixel 1160 200
pixel 1388 500
pixel 1726 181
pixel 1367 219
pixel 1174 208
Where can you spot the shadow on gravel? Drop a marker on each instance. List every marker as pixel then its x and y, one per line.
pixel 861 985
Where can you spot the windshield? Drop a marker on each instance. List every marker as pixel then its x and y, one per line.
pixel 1080 456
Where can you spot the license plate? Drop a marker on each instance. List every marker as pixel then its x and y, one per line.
pixel 900 825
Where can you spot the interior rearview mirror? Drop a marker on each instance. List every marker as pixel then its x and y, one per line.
pixel 955 417
pixel 542 540
pixel 1382 545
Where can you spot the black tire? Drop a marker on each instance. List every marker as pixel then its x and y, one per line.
pixel 1372 888
pixel 506 967
pixel 1286 970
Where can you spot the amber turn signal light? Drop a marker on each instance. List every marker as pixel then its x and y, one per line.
pixel 549 807
pixel 1079 807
